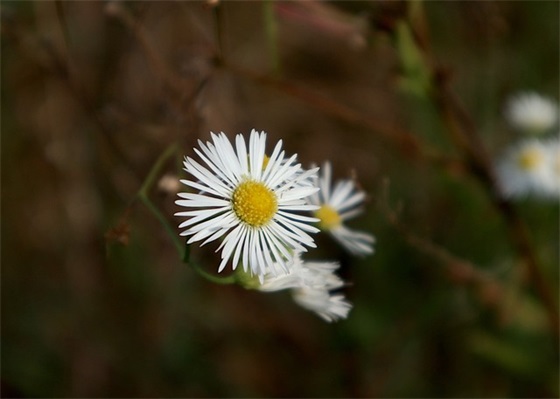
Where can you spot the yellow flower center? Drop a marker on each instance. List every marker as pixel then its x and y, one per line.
pixel 254 203
pixel 529 159
pixel 329 217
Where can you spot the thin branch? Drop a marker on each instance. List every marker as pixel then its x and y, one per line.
pixel 462 270
pixel 43 54
pixel 271 30
pixel 459 122
pixel 143 195
pixel 405 141
pixel 170 80
pixel 180 91
pixel 463 132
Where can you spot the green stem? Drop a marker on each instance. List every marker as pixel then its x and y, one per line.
pixel 155 171
pixel 143 195
pixel 231 279
pixel 272 35
pixel 166 225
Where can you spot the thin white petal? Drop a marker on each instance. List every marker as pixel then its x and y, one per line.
pixel 325 182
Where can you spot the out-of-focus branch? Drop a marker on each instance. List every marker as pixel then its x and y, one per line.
pixel 168 78
pixel 461 271
pixel 405 141
pixel 463 129
pixel 144 196
pixel 181 92
pixel 42 53
pixel 182 251
pixel 463 133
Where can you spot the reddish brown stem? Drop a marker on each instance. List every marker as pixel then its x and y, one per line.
pixel 464 134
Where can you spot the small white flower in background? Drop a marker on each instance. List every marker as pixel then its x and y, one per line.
pixel 337 205
pixel 311 284
pixel 527 168
pixel 532 113
pixel 169 184
pixel 250 200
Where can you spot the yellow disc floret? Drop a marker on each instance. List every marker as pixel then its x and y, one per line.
pixel 254 203
pixel 530 159
pixel 329 217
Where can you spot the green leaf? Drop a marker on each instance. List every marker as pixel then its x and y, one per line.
pixel 415 73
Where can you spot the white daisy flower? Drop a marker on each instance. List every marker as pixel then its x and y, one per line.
pixel 341 203
pixel 532 113
pixel 317 275
pixel 250 200
pixel 330 307
pixel 525 169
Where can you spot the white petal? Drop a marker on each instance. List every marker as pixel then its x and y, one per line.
pixel 276 157
pixel 340 193
pixel 325 182
pixel 216 190
pixel 352 201
pixel 242 154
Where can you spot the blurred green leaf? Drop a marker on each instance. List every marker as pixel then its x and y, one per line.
pixel 506 355
pixel 415 78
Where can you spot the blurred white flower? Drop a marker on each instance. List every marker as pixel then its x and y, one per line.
pixel 526 168
pixel 251 200
pixel 169 183
pixel 330 307
pixel 337 205
pixel 311 284
pixel 532 113
pixel 318 275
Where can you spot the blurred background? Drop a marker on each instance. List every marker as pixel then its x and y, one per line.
pixel 97 303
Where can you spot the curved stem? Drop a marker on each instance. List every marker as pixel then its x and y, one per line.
pixel 231 279
pixel 144 197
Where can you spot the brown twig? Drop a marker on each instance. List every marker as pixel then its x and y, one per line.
pixel 405 141
pixel 59 63
pixel 461 270
pixel 181 92
pixel 464 134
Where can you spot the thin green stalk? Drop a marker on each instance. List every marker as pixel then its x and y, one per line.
pixel 166 225
pixel 143 195
pixel 271 28
pixel 231 279
pixel 155 171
